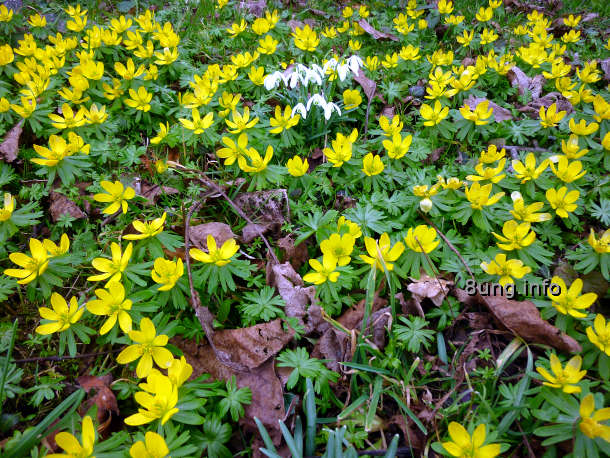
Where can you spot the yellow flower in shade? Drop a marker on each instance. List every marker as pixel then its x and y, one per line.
pixel 161 134
pixel 341 150
pixel 390 128
pixel 240 122
pixel 236 29
pixel 257 75
pixel 128 71
pixel 283 122
pixel 452 183
pixel 5 105
pixel 6 55
pixel 507 269
pixel 528 170
pixel 550 117
pixel 422 239
pixel 601 107
pixel 114 91
pixel 323 272
pixel 491 154
pixel 493 174
pixel 121 24
pixel 219 256
pixel 158 402
pixel 96 115
pixel 148 347
pixel 31 267
pixel 296 166
pixel 464 445
pixel 528 213
pixel 479 196
pixel 140 99
pixel 582 128
pixel 398 146
pixel 77 23
pixel 466 38
pixel 565 378
pixel 167 273
pixel 61 317
pixel 111 302
pixel 70 444
pixel 257 163
pixel 515 236
pixel 434 115
pixel 267 45
pixel 147 230
pixel 36 20
pixel 381 253
pixel 116 194
pixel 6 14
pixel 351 99
pixel 54 250
pixel 112 268
pixel 339 247
pixel 9 206
pixel 568 171
pixel 590 424
pixel 571 148
pixel 198 125
pixel 153 446
pixel 70 119
pixel 571 21
pixel 305 38
pixel 599 334
pixel 352 228
pixel 562 201
pixel 603 244
pixel 372 165
pixel 59 149
pixel 481 114
pixel 570 301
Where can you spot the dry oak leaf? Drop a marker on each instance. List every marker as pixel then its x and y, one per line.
pixel 60 205
pixel 368 85
pixel 522 82
pixel 104 399
pixel 295 255
pixel 221 232
pixel 376 34
pixel 152 191
pixel 435 289
pixel 10 144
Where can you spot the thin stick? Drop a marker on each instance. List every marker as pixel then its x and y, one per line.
pixel 64 358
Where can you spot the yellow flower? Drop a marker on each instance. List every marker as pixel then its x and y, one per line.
pixel 27 107
pixel 236 29
pixel 398 146
pixel 159 402
pixel 452 183
pixel 352 228
pixel 601 107
pixel 198 125
pixel 481 114
pixel 347 12
pixel 565 378
pixel 260 26
pixel 381 253
pixel 434 115
pixel 116 194
pixel 507 269
pixel 599 334
pixel 464 445
pixel 571 148
pixel 31 267
pixel 562 201
pixel 606 141
pixel 571 21
pixel 36 20
pixel 465 38
pixel 479 196
pixel 571 37
pixel 341 150
pixel 61 317
pixel 5 105
pixel 114 91
pixel 570 301
pixel 121 24
pixel 528 213
pixel 153 446
pixel 581 128
pixel 491 154
pixel 339 247
pixel 69 443
pixel 280 122
pixel 77 23
pixel 372 165
pixel 139 100
pixel 390 128
pixel 111 302
pixel 53 250
pixel 329 32
pixel 220 257
pixel 354 45
pixel 568 172
pixel 96 115
pixel 603 244
pixel 484 14
pixel 240 122
pixel 257 75
pixel 6 14
pixel 422 239
pixel 70 119
pixel 408 52
pixel 590 423
pixel 233 150
pixel 9 206
pixel 129 71
pixel 112 268
pixel 488 36
pixel 161 134
pixel 257 163
pixel 351 99
pixel 297 167
pixel 267 45
pixel 92 70
pixel 445 7
pixel 148 347
pixel 493 174
pixel 324 271
pixel 167 57
pixel 550 117
pixel 145 52
pixel 528 170
pixel 167 273
pixel 147 230
pixel 515 236
pixel 305 38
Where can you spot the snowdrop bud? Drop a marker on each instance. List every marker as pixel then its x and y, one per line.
pixel 299 108
pixel 425 205
pixel 328 110
pixel 271 81
pixel 317 100
pixel 354 62
pixel 516 195
pixel 342 71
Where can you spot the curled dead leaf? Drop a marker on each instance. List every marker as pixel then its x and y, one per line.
pixel 435 289
pixel 61 205
pixel 151 192
pixel 10 144
pixel 295 255
pixel 104 399
pixel 524 83
pixel 220 231
pixel 368 85
pixel 376 34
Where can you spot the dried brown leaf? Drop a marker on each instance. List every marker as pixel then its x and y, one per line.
pixel 61 205
pixel 500 113
pixel 10 144
pixel 220 231
pixel 104 399
pixel 151 191
pixel 265 206
pixel 435 289
pixel 295 255
pixel 522 82
pixel 251 231
pixel 376 34
pixel 368 85
pixel 605 66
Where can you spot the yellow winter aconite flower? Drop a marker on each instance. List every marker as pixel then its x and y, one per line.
pixel 434 115
pixel 233 150
pixel 153 446
pixel 219 256
pixel 491 154
pixel 31 267
pixel 528 170
pixel 112 268
pixel 445 7
pixel 69 120
pixel 488 36
pixel 158 402
pixel 240 122
pixel 70 444
pixel 61 316
pixel 582 128
pixel 507 269
pixel 167 56
pixel 54 250
pixel 27 107
pixel 167 273
pixel 257 163
pixel 9 206
pixel 236 29
pixel 390 128
pixel 297 167
pixel 567 377
pixel 484 14
pixel 493 174
pixel 257 75
pixel 198 125
pixel 161 134
pixel 465 38
pixel 6 14
pixel 591 419
pixel 562 201
pixel 571 148
pixel 111 302
pixel 267 45
pixel 129 70
pixel 570 301
pixel 351 99
pixel 481 114
pixel 114 91
pixel 603 244
pixel 599 334
pixel 528 213
pixel 148 347
pixel 382 254
pixel 36 20
pixel 339 247
pixel 422 239
pixel 305 38
pixel 372 165
pixel 352 228
pixel 464 445
pixel 341 150
pixel 140 99
pixel 398 146
pixel 116 194
pixel 568 171
pixel 515 236
pixel 550 117
pixel 479 196
pixel 323 272
pixel 453 183
pixel 281 122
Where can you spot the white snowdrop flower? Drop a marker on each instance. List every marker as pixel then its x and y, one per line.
pixel 355 62
pixel 299 108
pixel 313 75
pixel 331 64
pixel 293 79
pixel 516 195
pixel 317 100
pixel 328 110
pixel 342 71
pixel 272 80
pixel 319 71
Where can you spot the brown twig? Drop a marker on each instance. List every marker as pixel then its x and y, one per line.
pixel 63 358
pixel 526 442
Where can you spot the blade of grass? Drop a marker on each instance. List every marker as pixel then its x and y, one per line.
pixel 370 416
pixel 409 412
pixel 310 413
pixel 265 435
pixel 353 406
pixel 6 361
